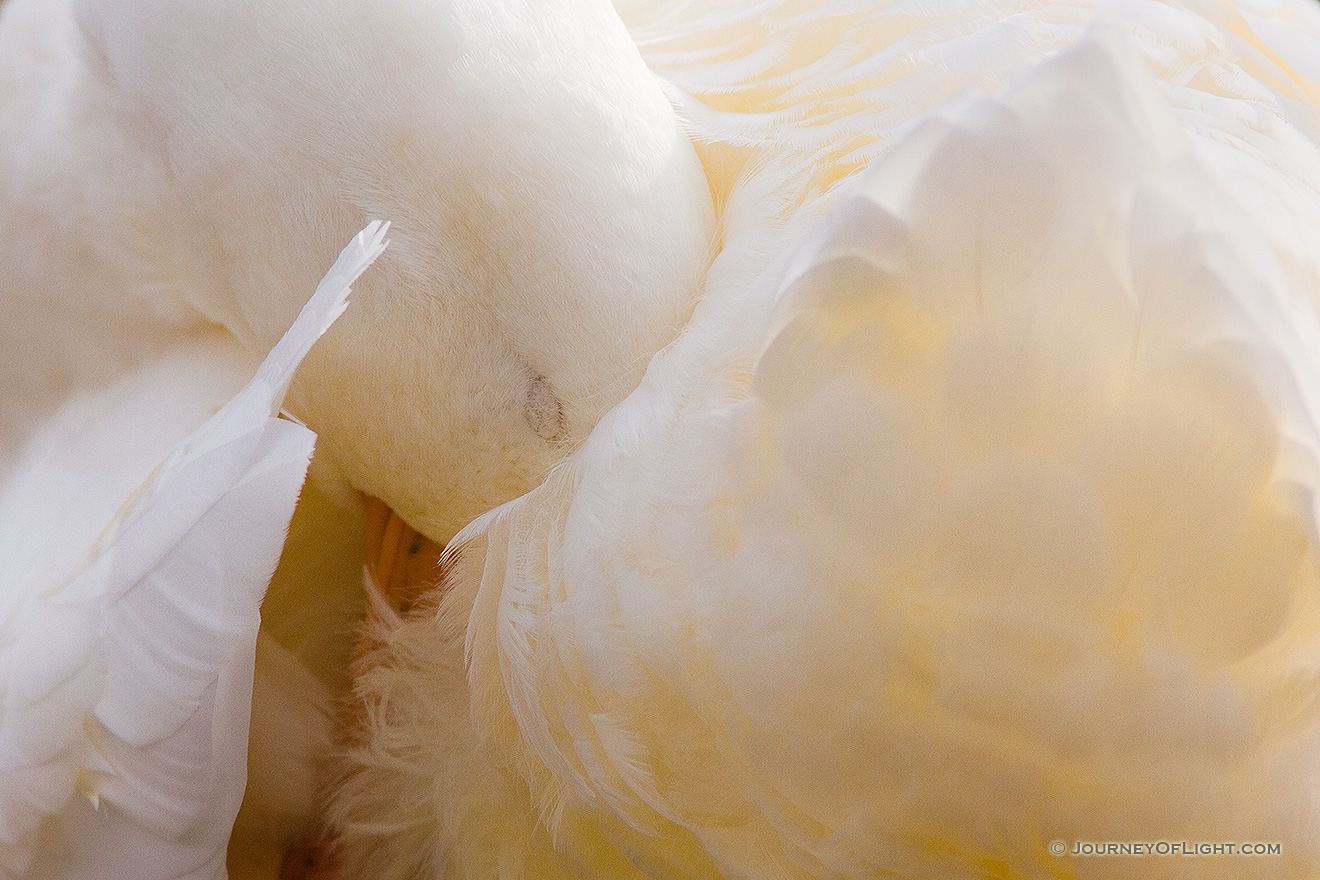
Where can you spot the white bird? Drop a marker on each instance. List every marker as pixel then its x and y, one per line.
pixel 971 512
pixel 138 537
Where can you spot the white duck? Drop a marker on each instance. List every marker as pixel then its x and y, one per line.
pixel 138 537
pixel 890 579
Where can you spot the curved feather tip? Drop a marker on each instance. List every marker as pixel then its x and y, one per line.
pixel 324 307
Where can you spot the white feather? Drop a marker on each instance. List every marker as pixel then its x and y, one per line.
pixel 126 659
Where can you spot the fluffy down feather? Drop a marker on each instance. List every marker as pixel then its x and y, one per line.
pixel 986 519
pixel 128 616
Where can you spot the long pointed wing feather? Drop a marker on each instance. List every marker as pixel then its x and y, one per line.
pixel 127 676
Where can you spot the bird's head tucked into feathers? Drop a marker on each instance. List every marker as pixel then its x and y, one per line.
pixel 551 222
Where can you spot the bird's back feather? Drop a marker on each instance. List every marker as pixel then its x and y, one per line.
pixel 1010 537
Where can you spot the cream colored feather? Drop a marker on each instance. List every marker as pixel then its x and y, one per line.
pixel 980 521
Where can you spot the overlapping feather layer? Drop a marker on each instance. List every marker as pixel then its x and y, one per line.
pixel 138 538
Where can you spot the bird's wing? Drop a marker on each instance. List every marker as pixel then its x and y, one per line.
pixel 128 616
pixel 1004 535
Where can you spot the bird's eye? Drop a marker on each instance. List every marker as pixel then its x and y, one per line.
pixel 544 411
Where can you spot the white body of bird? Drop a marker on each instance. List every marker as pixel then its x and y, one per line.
pixel 90 282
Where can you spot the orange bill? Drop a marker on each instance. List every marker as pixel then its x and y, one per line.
pixel 404 563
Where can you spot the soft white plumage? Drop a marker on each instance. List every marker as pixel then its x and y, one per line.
pixel 985 520
pixel 972 510
pixel 136 554
pixel 86 295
